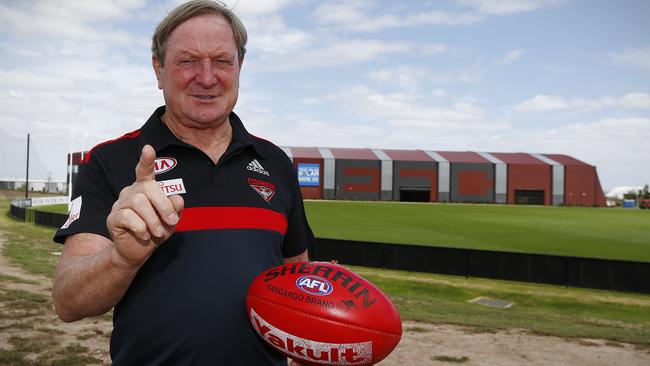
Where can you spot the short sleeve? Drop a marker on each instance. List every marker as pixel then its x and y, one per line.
pixel 299 235
pixel 92 200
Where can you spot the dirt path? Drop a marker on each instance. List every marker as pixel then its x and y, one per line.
pixel 422 344
pixel 92 333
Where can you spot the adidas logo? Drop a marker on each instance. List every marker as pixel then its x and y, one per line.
pixel 255 166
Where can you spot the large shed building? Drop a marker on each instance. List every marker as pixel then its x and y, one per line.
pixel 441 176
pixel 445 176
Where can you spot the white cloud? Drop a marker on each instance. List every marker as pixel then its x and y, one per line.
pixel 258 7
pixel 511 57
pixel 634 57
pixel 542 103
pixel 436 48
pixel 635 100
pixel 336 53
pixel 356 16
pixel 406 76
pixel 414 110
pixel 412 77
pixel 507 7
pixel 439 17
pixel 67 19
pixel 269 34
pixel 352 15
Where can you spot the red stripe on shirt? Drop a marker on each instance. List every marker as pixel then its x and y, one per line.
pixel 130 135
pixel 216 218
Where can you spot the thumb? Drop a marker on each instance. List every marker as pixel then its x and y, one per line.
pixel 145 168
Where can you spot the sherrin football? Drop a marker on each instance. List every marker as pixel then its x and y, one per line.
pixel 320 313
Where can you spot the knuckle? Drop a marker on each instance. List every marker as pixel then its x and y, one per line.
pixel 125 191
pixel 139 199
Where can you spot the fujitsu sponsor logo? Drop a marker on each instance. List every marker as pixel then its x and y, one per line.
pixel 172 186
pixel 356 288
pixel 310 350
pixel 162 165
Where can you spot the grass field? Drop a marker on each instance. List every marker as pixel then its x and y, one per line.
pixel 568 231
pixel 541 309
pixel 62 208
pixel 28 245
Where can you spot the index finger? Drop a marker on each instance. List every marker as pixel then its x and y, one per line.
pixel 145 169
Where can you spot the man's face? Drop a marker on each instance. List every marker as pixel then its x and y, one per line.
pixel 200 77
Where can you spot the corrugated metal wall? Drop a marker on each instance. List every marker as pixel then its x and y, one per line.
pixel 415 175
pixel 472 182
pixel 358 179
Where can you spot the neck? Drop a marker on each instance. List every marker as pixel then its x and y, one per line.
pixel 212 140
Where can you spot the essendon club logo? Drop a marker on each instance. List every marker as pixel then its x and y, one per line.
pixel 265 189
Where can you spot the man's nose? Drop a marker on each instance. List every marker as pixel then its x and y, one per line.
pixel 206 76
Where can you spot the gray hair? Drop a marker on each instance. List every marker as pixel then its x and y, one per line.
pixel 190 10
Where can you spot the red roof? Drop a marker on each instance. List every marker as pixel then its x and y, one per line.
pixel 356 154
pixel 565 160
pixel 408 155
pixel 305 152
pixel 518 158
pixel 463 157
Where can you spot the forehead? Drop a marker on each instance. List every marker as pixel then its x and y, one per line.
pixel 203 33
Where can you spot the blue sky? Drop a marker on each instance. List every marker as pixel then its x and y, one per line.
pixel 540 76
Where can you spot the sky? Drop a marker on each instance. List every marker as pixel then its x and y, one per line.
pixel 538 76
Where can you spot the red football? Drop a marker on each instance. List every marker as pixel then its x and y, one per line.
pixel 320 313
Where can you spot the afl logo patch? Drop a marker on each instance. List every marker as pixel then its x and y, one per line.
pixel 162 165
pixel 314 285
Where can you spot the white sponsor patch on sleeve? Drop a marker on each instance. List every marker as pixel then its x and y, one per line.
pixel 172 186
pixel 75 212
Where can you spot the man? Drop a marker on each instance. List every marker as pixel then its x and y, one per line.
pixel 170 223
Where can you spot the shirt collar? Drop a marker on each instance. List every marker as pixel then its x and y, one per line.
pixel 155 133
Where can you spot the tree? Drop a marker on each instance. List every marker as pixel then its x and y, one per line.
pixel 644 193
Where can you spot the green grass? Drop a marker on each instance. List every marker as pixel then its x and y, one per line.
pixel 28 245
pixel 541 309
pixel 568 231
pixel 61 208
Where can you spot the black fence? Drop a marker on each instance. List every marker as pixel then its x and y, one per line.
pixel 49 218
pixel 38 217
pixel 556 270
pixel 17 212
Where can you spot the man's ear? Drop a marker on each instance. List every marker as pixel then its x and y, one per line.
pixel 157 68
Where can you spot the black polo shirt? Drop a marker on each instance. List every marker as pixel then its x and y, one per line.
pixel 186 305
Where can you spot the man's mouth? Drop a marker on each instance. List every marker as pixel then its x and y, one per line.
pixel 204 97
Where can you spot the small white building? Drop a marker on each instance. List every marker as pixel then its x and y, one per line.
pixel 36 185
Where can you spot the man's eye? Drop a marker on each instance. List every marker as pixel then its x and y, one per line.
pixel 186 62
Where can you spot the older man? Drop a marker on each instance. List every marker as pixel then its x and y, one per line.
pixel 171 222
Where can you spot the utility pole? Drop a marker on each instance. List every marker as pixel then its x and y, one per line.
pixel 27 173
